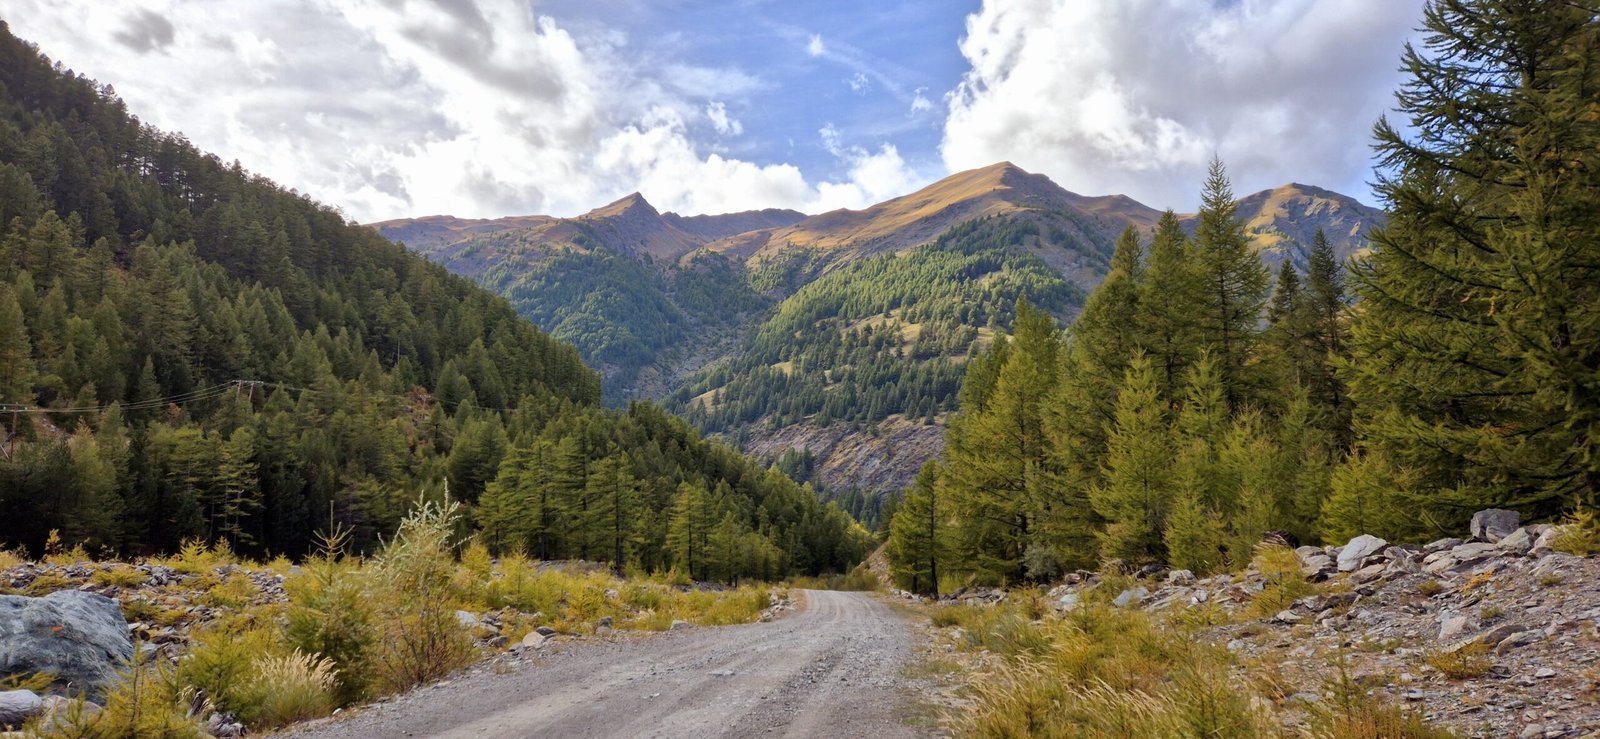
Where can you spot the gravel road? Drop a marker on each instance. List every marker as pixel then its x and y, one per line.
pixel 830 670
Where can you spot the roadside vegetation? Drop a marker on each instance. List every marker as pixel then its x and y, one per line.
pixel 353 628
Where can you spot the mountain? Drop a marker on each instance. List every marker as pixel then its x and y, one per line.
pixel 190 353
pixel 844 333
pixel 1282 221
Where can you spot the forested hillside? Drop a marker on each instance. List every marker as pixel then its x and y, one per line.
pixel 842 335
pixel 189 351
pixel 1193 408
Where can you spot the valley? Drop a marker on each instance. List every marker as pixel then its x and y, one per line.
pixel 844 333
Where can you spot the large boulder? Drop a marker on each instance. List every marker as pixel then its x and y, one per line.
pixel 1494 524
pixel 79 637
pixel 1358 549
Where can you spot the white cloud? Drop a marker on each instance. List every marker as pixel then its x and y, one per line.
pixel 859 83
pixel 814 47
pixel 725 125
pixel 392 108
pixel 920 102
pixel 1134 96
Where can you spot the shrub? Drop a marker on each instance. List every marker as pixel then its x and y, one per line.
pixel 1353 714
pixel 119 575
pixel 1579 534
pixel 150 701
pixel 1284 582
pixel 222 664
pixel 1466 662
pixel 421 640
pixel 330 614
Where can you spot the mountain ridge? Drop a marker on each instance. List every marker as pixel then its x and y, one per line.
pixel 696 309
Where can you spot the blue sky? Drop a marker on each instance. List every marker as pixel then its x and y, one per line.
pixel 481 108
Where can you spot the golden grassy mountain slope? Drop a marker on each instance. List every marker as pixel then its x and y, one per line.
pixel 919 218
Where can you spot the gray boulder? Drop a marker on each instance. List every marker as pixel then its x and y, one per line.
pixel 1358 549
pixel 79 637
pixel 1130 597
pixel 17 706
pixel 1494 524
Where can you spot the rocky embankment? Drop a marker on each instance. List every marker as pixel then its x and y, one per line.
pixel 1492 635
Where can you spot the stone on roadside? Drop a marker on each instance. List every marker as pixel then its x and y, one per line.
pixel 679 624
pixel 1494 524
pixel 534 640
pixel 1180 577
pixel 1358 549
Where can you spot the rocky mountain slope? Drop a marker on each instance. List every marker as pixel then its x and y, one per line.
pixel 843 331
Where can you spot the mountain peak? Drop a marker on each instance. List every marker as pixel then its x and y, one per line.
pixel 628 204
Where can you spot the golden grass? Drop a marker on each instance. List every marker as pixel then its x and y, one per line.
pixel 1462 663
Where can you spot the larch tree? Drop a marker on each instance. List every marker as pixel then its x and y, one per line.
pixel 1476 356
pixel 1233 286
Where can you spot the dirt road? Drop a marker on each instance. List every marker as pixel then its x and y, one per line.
pixel 831 670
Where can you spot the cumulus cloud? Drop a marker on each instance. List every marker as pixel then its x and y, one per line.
pixel 814 47
pixel 394 108
pixel 1135 96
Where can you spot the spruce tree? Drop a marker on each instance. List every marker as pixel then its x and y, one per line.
pixel 1477 354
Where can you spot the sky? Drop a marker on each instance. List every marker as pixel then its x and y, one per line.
pixel 485 108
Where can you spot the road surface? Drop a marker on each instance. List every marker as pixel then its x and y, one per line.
pixel 830 670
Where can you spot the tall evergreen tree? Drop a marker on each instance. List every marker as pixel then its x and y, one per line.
pixel 1135 496
pixel 1477 354
pixel 918 542
pixel 1233 285
pixel 1169 306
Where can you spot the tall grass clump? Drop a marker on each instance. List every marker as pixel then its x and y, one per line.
pixel 421 639
pixel 294 687
pixel 1579 534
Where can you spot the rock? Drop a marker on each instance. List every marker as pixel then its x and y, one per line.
pixel 1369 573
pixel 1441 545
pixel 468 620
pixel 603 631
pixel 1520 639
pixel 17 706
pixel 1180 577
pixel 679 624
pixel 1545 673
pixel 1358 549
pixel 498 641
pixel 1494 524
pixel 1288 617
pixel 1317 567
pixel 1070 601
pixel 1531 731
pixel 545 631
pixel 604 623
pixel 534 640
pixel 1454 626
pixel 1554 564
pixel 1130 597
pixel 79 637
pixel 1518 542
pixel 1545 540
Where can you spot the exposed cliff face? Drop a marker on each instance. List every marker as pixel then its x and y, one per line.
pixel 885 460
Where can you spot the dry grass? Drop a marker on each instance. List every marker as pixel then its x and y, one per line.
pixel 1579 534
pixel 294 687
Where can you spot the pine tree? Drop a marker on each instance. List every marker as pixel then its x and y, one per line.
pixel 1135 497
pixel 1194 534
pixel 1233 283
pixel 688 529
pixel 1475 356
pixel 1328 335
pixel 615 493
pixel 918 542
pixel 238 489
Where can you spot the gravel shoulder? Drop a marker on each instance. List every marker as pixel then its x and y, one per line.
pixel 833 669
